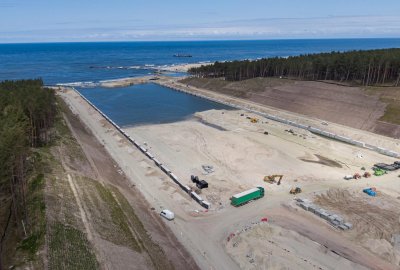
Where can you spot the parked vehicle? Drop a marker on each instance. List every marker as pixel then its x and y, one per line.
pixel 195 179
pixel 199 183
pixel 370 191
pixel 247 196
pixel 202 184
pixel 379 172
pixel 167 214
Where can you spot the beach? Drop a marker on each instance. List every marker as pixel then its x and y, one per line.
pixel 184 67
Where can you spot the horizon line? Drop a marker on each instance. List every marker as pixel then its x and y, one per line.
pixel 193 40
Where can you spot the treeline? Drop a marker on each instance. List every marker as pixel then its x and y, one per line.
pixel 27 112
pixel 372 67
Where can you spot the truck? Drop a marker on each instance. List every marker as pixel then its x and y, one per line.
pixel 247 196
pixel 199 183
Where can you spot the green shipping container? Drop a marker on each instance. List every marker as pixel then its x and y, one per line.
pixel 246 196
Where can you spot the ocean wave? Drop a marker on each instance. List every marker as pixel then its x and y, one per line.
pixel 163 67
pixel 124 67
pixel 80 84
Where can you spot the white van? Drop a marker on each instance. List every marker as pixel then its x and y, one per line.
pixel 167 214
pixel 349 177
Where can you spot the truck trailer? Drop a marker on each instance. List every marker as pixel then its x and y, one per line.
pixel 247 196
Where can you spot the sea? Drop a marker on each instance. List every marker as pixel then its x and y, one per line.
pixel 93 62
pixel 88 63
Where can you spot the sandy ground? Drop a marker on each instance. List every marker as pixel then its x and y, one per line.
pixel 349 106
pixel 347 131
pixel 268 246
pixel 183 67
pixel 125 82
pixel 242 155
pixel 376 220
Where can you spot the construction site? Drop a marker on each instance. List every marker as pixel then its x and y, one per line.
pixel 251 192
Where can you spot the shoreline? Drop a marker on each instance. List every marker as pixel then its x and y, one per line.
pixel 159 71
pixel 184 67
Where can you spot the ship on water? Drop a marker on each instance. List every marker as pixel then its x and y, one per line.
pixel 182 55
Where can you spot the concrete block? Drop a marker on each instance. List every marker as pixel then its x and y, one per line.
pixel 317 211
pixel 157 162
pixel 331 218
pixel 335 223
pixel 149 155
pixel 136 143
pixel 348 225
pixel 311 208
pixel 186 188
pixel 174 177
pixel 195 196
pixel 144 150
pixel 304 206
pixel 324 215
pixel 313 129
pixel 165 169
pixel 339 218
pixel 302 126
pixel 360 144
pixel 206 204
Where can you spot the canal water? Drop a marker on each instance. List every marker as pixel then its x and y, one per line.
pixel 147 104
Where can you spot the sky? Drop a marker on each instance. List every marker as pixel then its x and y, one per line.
pixel 134 20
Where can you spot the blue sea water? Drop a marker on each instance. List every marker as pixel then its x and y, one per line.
pixel 147 104
pixel 76 62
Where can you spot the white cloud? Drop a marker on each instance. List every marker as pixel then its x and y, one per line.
pixel 326 27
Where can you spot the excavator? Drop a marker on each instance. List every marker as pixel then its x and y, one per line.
pixel 271 179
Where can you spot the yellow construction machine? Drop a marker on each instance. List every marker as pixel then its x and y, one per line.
pixel 254 120
pixel 272 179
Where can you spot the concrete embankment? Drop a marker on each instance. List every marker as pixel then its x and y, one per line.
pixel 144 149
pixel 310 128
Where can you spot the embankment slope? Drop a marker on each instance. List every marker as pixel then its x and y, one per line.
pixel 349 106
